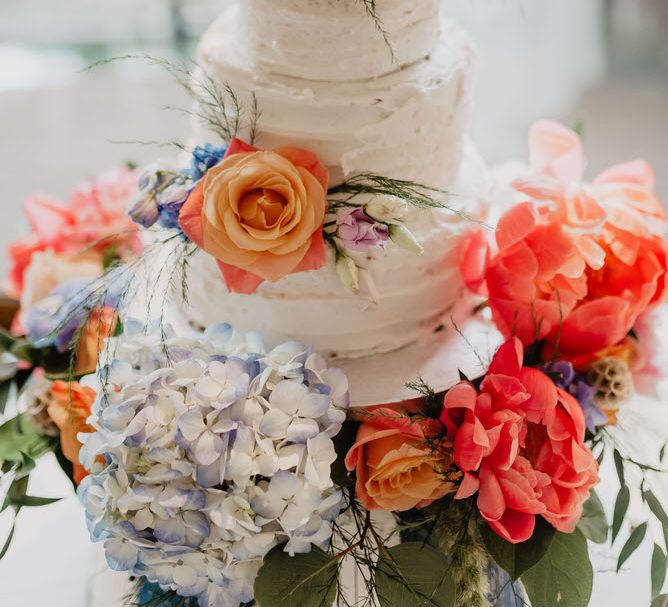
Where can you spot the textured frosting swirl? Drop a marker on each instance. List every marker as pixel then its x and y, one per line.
pixel 408 124
pixel 336 40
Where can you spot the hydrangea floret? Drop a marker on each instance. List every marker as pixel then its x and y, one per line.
pixel 216 450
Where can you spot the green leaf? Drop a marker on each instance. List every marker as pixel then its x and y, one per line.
pixel 632 544
pixel 32 501
pixel 564 576
pixel 6 389
pixel 303 580
pixel 21 442
pixel 593 523
pixel 343 441
pixel 8 541
pixel 660 601
pixel 621 508
pixel 518 558
pixel 413 574
pixel 619 465
pixel 17 490
pixel 658 570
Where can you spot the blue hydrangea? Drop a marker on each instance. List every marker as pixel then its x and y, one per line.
pixel 215 450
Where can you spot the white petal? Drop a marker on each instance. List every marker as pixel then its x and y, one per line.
pixel 275 423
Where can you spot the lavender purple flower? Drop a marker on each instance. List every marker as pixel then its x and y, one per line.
pixel 359 232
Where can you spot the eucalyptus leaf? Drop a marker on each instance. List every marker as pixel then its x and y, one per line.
pixel 593 522
pixel 564 576
pixel 8 541
pixel 619 466
pixel 658 570
pixel 32 501
pixel 303 580
pixel 515 559
pixel 656 507
pixel 632 544
pixel 621 508
pixel 16 491
pixel 413 574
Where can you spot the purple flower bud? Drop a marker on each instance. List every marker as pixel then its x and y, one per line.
pixel 359 232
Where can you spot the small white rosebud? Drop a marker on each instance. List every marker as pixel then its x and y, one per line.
pixel 403 237
pixel 348 273
pixel 386 209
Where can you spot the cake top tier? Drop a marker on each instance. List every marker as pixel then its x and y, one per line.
pixel 337 40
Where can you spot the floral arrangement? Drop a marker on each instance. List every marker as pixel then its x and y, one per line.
pixel 220 473
pixel 56 337
pixel 264 214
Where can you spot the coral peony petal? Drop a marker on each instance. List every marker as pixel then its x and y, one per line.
pixel 515 224
pixel 469 485
pixel 637 172
pixel 556 150
pixel 474 257
pixel 508 359
pixel 515 527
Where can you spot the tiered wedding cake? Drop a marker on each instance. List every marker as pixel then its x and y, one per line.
pixel 395 104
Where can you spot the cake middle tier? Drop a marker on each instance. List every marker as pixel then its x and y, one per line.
pixel 415 293
pixel 409 124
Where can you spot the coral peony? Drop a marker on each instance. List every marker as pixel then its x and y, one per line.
pixel 260 214
pixel 94 218
pixel 579 263
pixel 69 408
pixel 397 467
pixel 520 443
pixel 534 278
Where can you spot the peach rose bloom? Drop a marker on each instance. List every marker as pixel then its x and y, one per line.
pixel 260 214
pixel 396 469
pixel 69 408
pixel 100 325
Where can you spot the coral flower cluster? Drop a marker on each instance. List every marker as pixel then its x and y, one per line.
pixel 576 264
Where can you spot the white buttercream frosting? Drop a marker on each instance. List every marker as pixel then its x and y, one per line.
pixel 336 40
pixel 416 293
pixel 408 124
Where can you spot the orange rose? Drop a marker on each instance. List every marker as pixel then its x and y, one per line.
pixel 260 214
pixel 100 325
pixel 396 467
pixel 69 409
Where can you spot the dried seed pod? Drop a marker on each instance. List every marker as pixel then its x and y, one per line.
pixel 612 379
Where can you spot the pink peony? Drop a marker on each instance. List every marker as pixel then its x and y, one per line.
pixel 520 443
pixel 96 211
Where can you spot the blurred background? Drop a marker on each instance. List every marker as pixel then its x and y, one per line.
pixel 602 64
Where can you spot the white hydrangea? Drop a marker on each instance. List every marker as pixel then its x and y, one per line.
pixel 215 451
